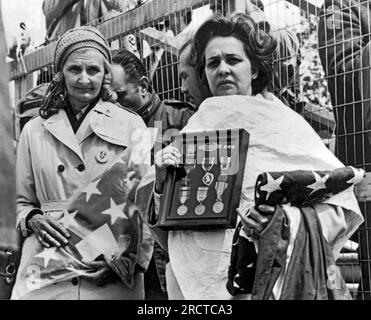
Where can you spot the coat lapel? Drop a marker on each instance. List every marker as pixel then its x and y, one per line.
pixel 85 129
pixel 59 126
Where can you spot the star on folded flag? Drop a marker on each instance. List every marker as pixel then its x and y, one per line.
pixel 48 254
pixel 92 189
pixel 272 185
pixel 320 183
pixel 115 211
pixel 68 219
pixel 358 175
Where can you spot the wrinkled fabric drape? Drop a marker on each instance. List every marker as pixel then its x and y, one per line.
pixel 280 140
pixel 312 271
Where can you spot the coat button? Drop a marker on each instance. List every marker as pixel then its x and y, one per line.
pixel 101 156
pixel 61 168
pixel 81 167
pixel 75 281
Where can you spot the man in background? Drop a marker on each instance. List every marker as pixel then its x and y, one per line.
pixel 190 81
pixel 130 81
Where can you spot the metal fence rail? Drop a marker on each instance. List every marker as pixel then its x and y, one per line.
pixel 306 78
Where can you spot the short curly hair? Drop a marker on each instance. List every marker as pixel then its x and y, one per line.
pixel 258 45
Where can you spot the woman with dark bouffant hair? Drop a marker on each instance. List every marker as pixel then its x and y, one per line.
pixel 258 46
pixel 235 63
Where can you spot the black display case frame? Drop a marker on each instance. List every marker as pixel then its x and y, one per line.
pixel 193 191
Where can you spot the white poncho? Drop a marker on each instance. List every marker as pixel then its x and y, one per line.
pixel 280 140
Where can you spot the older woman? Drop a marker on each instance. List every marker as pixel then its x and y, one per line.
pixel 77 136
pixel 235 59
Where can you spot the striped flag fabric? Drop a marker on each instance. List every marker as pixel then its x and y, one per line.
pixel 104 224
pixel 300 188
pixel 304 187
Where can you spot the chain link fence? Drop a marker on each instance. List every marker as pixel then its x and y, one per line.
pixel 321 70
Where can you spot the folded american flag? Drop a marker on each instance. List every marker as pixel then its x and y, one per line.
pixel 304 187
pixel 300 188
pixel 104 224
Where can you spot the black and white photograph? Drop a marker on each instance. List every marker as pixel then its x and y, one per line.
pixel 185 154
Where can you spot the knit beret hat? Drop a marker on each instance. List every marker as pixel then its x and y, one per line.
pixel 77 38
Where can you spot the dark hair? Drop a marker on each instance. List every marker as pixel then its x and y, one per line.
pixel 131 64
pixel 258 45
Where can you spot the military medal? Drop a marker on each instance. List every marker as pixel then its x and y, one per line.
pixel 190 162
pixel 220 186
pixel 218 207
pixel 201 196
pixel 184 193
pixel 208 177
pixel 188 167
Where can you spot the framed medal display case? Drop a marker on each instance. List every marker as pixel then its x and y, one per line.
pixel 204 191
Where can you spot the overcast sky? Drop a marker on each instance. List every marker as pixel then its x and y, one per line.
pixel 28 11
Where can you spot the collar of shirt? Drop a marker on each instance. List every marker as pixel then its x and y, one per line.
pixel 81 113
pixel 147 111
pixel 77 119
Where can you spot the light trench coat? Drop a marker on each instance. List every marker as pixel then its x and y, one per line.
pixel 54 164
